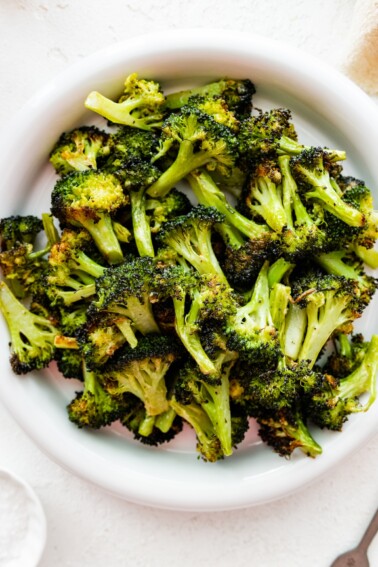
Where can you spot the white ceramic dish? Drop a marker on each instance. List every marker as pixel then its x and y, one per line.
pixel 22 523
pixel 328 110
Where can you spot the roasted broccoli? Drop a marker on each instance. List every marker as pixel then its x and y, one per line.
pixel 140 106
pixel 82 148
pixel 89 199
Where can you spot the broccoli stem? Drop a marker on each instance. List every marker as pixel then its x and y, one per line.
pixel 105 239
pixel 295 329
pixel 70 297
pixel 324 316
pixel 332 263
pixel 208 194
pixel 120 112
pixel 141 224
pixel 186 328
pixel 369 256
pixel 332 202
pixel 269 203
pixel 186 161
pixel 140 313
pixel 193 414
pixel 164 421
pixel 257 308
pixel 124 325
pixel 291 200
pixel 218 409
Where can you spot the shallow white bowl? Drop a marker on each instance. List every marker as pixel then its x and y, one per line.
pixel 328 110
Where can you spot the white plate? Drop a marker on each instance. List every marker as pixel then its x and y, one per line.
pixel 328 110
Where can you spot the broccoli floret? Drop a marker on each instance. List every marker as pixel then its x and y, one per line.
pixel 140 106
pixel 286 430
pixel 102 336
pixel 89 199
pixel 31 336
pixel 250 328
pixel 192 387
pixel 348 265
pixel 167 208
pixel 17 229
pixel 196 300
pixel 128 144
pixel 93 407
pixel 69 262
pixel 126 291
pixel 200 141
pixel 322 304
pixel 70 363
pixel 331 406
pixel 237 94
pixel 142 371
pixel 23 265
pixel 150 430
pixel 190 236
pixel 310 171
pixel 263 195
pixel 82 148
pixel 347 355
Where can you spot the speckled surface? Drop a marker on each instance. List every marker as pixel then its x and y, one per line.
pixel 87 527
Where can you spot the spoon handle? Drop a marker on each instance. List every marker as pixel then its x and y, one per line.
pixel 370 532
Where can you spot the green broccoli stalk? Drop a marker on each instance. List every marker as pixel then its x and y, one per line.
pixel 88 200
pixel 140 106
pixel 150 430
pixel 201 141
pixel 209 195
pixel 136 176
pixel 31 336
pixel 80 149
pixel 93 407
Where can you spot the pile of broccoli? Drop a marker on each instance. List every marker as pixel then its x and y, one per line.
pixel 199 266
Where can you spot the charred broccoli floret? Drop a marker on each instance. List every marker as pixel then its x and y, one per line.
pixel 140 105
pixel 89 199
pixel 82 148
pixel 150 429
pixel 330 406
pixel 322 304
pixel 93 407
pixel 199 141
pixel 190 236
pixel 31 336
pixel 237 94
pixel 142 371
pixel 125 291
